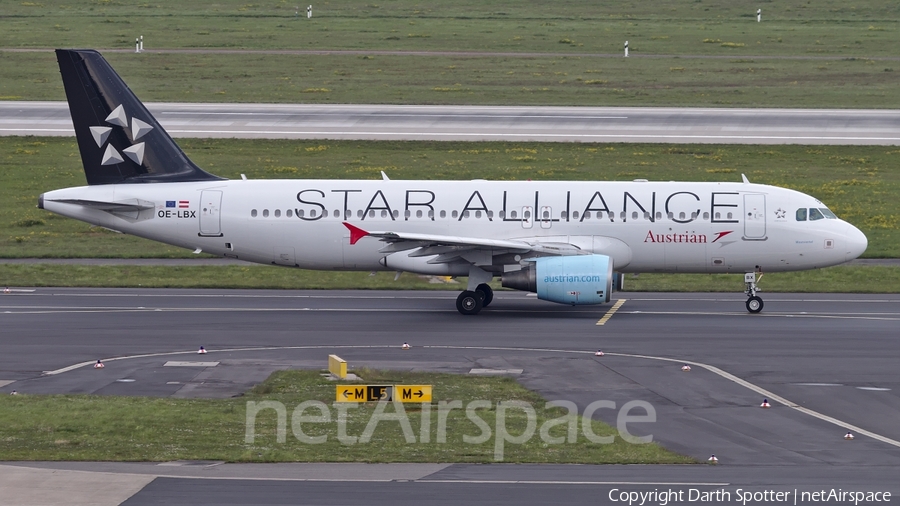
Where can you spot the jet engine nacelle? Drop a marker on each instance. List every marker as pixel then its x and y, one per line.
pixel 580 279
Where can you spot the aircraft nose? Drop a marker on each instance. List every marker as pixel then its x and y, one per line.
pixel 856 242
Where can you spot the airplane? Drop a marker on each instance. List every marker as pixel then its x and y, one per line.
pixel 567 241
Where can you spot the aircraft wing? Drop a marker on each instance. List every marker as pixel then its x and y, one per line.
pixel 449 247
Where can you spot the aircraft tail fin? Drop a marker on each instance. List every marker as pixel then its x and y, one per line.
pixel 120 141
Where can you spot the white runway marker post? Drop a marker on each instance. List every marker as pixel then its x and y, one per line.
pixel 142 43
pixel 758 15
pixel 137 46
pixel 626 49
pixel 309 12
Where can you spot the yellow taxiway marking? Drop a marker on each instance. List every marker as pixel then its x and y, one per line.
pixel 611 312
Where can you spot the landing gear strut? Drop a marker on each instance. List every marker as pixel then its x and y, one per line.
pixel 469 302
pixel 754 302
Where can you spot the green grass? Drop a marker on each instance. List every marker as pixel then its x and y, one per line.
pixel 841 279
pixel 717 55
pixel 108 428
pixel 858 182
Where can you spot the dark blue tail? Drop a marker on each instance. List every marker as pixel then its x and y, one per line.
pixel 120 141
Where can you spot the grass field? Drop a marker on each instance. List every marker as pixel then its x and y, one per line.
pixel 858 182
pixel 715 54
pixel 109 428
pixel 841 279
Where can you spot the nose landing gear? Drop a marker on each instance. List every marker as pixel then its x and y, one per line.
pixel 754 302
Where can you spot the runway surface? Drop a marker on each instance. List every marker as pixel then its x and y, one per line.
pixel 484 123
pixel 827 363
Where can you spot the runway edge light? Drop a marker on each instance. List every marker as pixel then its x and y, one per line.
pixel 201 351
pixel 713 459
pixel 405 346
pixel 687 368
pixel 599 353
pixel 99 365
pixel 849 436
pixel 765 404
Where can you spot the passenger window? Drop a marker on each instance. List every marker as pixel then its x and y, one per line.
pixel 814 214
pixel 337 214
pixel 705 216
pixel 384 213
pixel 359 213
pixel 477 214
pixel 407 214
pixel 513 214
pixel 371 213
pixel 253 213
pixel 278 213
pixel 587 215
pixel 563 215
pixel 828 214
pixel 490 214
pixel 527 214
pixel 574 215
pixel 730 216
pixel 289 213
pixel 681 215
pixel 455 214
pixel 646 216
pixel 419 213
pixel 431 214
pixel 443 214
pixel 718 216
pixel 265 213
pixel 312 213
pixel 634 215
pixel 299 213
pixel 545 215
pixel 466 214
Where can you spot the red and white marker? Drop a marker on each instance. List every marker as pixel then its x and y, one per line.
pixel 201 351
pixel 99 365
pixel 713 459
pixel 405 346
pixel 599 353
pixel 687 368
pixel 849 436
pixel 765 404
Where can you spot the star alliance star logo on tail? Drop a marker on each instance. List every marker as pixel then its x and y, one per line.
pixel 135 152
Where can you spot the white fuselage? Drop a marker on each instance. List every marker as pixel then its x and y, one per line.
pixel 643 226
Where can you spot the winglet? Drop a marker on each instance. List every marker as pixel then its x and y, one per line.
pixel 744 179
pixel 356 233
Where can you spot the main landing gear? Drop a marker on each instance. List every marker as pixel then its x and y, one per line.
pixel 754 302
pixel 471 302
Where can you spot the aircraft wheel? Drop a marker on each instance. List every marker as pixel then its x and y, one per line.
pixel 468 303
pixel 754 304
pixel 487 294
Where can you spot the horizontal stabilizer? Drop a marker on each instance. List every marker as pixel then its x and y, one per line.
pixel 111 207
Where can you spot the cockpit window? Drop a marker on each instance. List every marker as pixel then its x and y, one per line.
pixel 828 214
pixel 815 214
pixel 801 214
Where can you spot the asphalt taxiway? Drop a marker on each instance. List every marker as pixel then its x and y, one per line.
pixel 489 123
pixel 826 362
